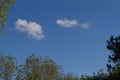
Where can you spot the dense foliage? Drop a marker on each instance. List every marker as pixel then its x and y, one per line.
pixel 4 7
pixel 114 58
pixel 7 67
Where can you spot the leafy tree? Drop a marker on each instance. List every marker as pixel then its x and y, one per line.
pixel 70 76
pixel 100 75
pixel 36 68
pixel 4 7
pixel 114 59
pixel 7 67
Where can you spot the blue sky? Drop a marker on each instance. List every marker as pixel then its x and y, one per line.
pixel 71 32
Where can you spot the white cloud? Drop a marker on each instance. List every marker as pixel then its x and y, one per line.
pixel 67 23
pixel 33 29
pixel 72 23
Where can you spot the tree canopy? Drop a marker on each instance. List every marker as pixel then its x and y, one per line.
pixel 4 7
pixel 113 44
pixel 38 68
pixel 7 67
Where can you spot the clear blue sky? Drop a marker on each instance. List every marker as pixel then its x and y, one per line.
pixel 71 32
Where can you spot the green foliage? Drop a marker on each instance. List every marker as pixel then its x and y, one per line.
pixel 100 75
pixel 4 6
pixel 37 68
pixel 114 59
pixel 7 67
pixel 70 76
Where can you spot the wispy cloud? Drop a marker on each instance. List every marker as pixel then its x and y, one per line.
pixel 72 23
pixel 32 29
pixel 67 23
pixel 85 25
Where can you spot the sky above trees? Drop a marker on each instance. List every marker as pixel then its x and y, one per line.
pixel 71 32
